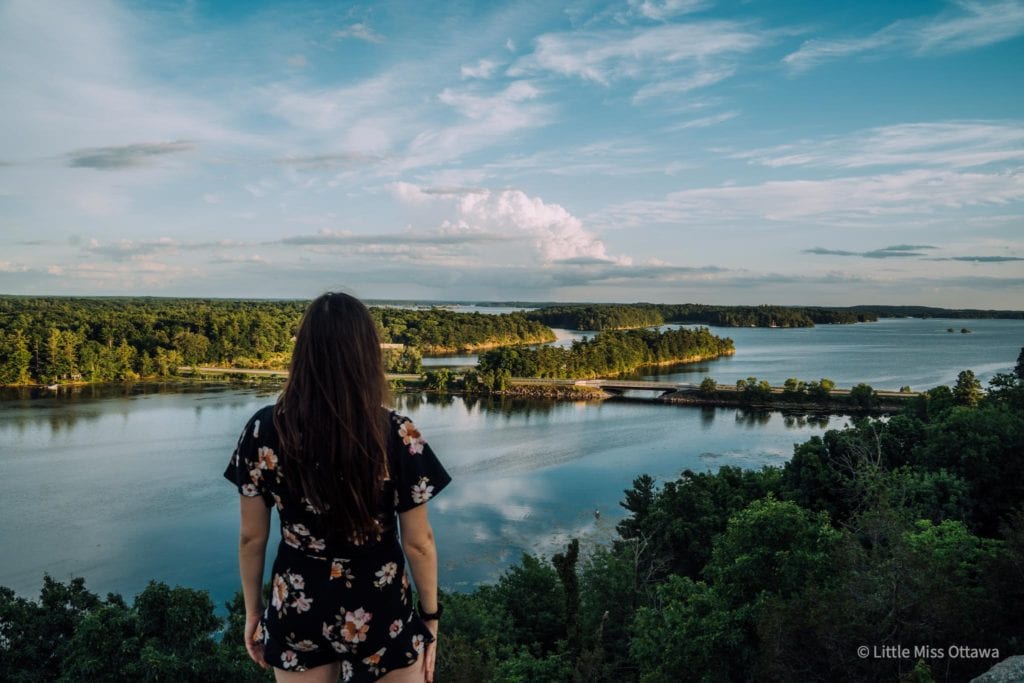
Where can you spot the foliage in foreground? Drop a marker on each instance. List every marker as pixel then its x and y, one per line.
pixel 907 531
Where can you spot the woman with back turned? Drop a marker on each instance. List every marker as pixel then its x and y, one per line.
pixel 340 468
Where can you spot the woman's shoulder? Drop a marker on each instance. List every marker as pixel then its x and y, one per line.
pixel 262 421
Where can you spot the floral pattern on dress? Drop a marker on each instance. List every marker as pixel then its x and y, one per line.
pixel 386 574
pixel 422 491
pixel 373 661
pixel 411 437
pixel 340 570
pixel 356 626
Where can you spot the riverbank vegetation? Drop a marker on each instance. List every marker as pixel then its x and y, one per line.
pixel 611 353
pixel 900 532
pixel 52 340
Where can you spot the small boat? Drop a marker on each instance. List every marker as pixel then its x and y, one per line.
pixel 53 387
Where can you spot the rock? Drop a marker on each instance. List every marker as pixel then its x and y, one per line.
pixel 1010 670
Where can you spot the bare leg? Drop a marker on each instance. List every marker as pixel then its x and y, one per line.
pixel 328 673
pixel 407 674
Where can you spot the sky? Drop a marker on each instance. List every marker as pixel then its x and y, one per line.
pixel 793 153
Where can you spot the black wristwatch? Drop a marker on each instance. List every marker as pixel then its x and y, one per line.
pixel 426 616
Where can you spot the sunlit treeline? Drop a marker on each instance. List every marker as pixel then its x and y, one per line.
pixel 60 339
pixel 610 353
pixel 622 316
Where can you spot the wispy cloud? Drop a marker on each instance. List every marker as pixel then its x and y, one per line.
pixel 666 9
pixel 896 251
pixel 322 161
pixel 359 31
pixel 973 24
pixel 485 68
pixel 450 237
pixel 125 156
pixel 956 144
pixel 688 55
pixel 890 196
pixel 982 259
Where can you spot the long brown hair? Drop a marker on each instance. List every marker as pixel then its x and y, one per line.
pixel 330 419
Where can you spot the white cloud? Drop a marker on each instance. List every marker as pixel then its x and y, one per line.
pixel 956 144
pixel 975 25
pixel 704 121
pixel 556 235
pixel 653 53
pixel 485 68
pixel 884 198
pixel 666 9
pixel 359 31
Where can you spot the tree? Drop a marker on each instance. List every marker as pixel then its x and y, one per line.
pixel 693 635
pixel 1018 370
pixel 708 386
pixel 863 396
pixel 967 391
pixel 771 546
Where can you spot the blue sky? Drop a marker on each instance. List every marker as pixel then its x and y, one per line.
pixel 826 153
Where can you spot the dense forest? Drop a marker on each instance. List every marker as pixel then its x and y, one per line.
pixel 57 339
pixel 614 352
pixel 438 330
pixel 623 316
pixel 900 532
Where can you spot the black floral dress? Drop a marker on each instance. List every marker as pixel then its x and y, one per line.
pixel 339 600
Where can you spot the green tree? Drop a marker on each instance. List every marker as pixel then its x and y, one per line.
pixel 692 635
pixel 863 396
pixel 771 546
pixel 967 391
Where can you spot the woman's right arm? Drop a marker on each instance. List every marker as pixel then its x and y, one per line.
pixel 420 550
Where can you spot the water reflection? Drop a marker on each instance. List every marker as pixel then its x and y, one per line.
pixel 527 475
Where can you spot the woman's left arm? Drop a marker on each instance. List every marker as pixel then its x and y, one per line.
pixel 252 552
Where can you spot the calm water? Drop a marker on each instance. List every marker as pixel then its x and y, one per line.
pixel 886 354
pixel 126 488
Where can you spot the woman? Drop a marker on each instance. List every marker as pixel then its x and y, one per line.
pixel 339 467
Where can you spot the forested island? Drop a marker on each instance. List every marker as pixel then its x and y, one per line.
pixel 906 531
pixel 611 353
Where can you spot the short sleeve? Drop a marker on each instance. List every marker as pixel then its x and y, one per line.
pixel 418 475
pixel 252 460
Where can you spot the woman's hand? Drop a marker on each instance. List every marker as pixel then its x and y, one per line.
pixel 430 654
pixel 254 639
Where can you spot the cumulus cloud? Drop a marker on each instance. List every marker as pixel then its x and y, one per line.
pixel 125 156
pixel 556 235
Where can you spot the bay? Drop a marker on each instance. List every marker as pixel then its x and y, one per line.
pixel 125 489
